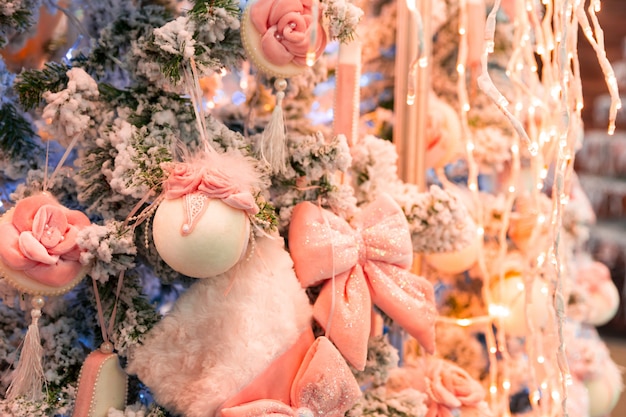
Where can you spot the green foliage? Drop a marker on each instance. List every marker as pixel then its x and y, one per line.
pixel 149 160
pixel 116 97
pixel 202 8
pixel 32 84
pixel 18 21
pixel 16 134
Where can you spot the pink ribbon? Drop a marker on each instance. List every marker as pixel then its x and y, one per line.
pixel 366 263
pixel 321 384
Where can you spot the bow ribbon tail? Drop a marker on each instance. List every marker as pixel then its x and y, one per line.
pixel 349 317
pixel 324 383
pixel 259 408
pixel 405 297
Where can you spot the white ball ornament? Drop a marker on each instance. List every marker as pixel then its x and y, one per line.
pixel 456 262
pixel 602 296
pixel 604 391
pixel 509 299
pixel 215 243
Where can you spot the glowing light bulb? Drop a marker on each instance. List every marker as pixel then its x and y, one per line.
pixel 460 69
pixel 511 188
pixel 506 384
pixel 464 322
pixel 310 58
pixel 461 31
pixel 541 359
pixel 493 389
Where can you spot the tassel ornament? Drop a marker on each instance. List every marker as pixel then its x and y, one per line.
pixel 28 377
pixel 273 139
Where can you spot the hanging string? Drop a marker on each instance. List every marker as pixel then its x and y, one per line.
pixel 192 83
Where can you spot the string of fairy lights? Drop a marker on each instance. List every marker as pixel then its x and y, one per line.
pixel 546 117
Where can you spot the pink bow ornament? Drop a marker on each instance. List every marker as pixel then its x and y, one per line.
pixel 323 386
pixel 363 263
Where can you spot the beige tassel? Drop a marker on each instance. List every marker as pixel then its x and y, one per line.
pixel 28 377
pixel 273 146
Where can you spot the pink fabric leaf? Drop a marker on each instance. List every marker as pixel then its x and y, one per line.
pixel 378 248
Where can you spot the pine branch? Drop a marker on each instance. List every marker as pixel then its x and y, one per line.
pixel 202 8
pixel 16 134
pixel 33 83
pixel 18 21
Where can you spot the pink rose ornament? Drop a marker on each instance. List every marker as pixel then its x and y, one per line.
pixel 277 35
pixel 38 250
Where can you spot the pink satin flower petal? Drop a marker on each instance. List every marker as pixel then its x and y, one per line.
pixel 350 323
pixel 260 408
pixel 407 298
pixel 324 384
pixel 55 275
pixel 274 50
pixel 30 246
pixel 10 251
pixel 242 201
pixel 67 245
pixel 26 209
pixel 283 7
pixel 50 223
pixel 286 22
pixel 438 410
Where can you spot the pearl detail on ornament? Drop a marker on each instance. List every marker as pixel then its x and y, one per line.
pixel 106 347
pixel 37 302
pixel 292 25
pixel 186 228
pixel 278 36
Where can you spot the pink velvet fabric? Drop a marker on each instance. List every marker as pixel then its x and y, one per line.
pixel 285 27
pixel 188 177
pixel 363 263
pixel 40 240
pixel 322 384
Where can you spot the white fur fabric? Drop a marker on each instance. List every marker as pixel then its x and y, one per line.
pixel 215 340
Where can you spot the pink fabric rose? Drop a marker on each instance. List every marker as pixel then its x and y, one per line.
pixel 451 386
pixel 40 240
pixel 285 27
pixel 218 179
pixel 183 179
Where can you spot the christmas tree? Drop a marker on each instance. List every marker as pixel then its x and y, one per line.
pixel 298 207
